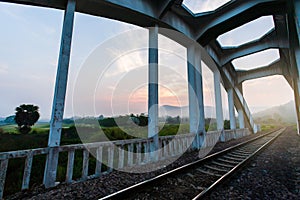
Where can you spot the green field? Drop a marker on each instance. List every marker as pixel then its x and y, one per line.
pixel 12 140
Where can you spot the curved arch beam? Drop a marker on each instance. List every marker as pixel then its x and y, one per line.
pixel 235 15
pixel 204 28
pixel 230 82
pixel 270 40
pixel 273 69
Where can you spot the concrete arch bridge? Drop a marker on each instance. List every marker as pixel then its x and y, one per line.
pixel 198 32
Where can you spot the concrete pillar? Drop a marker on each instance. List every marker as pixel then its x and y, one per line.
pixel 296 83
pixel 218 102
pixel 201 133
pixel 240 110
pixel 59 95
pixel 193 102
pixel 296 80
pixel 192 89
pixel 231 109
pixel 241 118
pixel 153 92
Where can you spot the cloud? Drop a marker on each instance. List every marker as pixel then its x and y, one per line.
pixel 204 5
pixel 242 35
pixel 126 62
pixel 3 69
pixel 260 59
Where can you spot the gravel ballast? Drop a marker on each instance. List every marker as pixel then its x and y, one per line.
pixel 273 174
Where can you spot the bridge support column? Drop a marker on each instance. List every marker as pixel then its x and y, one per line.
pixel 193 115
pixel 296 48
pixel 241 118
pixel 218 102
pixel 231 109
pixel 240 110
pixel 297 102
pixel 153 92
pixel 195 90
pixel 201 133
pixel 59 96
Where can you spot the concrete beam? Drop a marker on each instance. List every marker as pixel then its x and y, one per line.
pixel 59 95
pixel 234 15
pixel 276 38
pixel 297 101
pixel 192 92
pixel 218 104
pixel 228 75
pixel 201 27
pixel 153 92
pixel 171 14
pixel 57 4
pixel 270 40
pixel 239 100
pixel 294 35
pixel 231 109
pixel 273 69
pixel 241 118
pixel 290 81
pixel 192 89
pixel 166 5
pixel 201 133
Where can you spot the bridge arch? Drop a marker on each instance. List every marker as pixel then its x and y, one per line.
pixel 197 32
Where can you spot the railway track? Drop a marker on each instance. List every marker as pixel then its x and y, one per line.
pixel 198 179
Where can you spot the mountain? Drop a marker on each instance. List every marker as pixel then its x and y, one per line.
pixel 173 111
pixel 284 113
pixel 257 109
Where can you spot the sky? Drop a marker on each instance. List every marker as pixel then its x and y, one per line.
pixel 108 66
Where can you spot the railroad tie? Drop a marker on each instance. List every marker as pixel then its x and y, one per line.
pixel 207 172
pixel 222 164
pixel 215 168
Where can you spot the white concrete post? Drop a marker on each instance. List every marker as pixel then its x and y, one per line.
pixel 153 92
pixel 241 118
pixel 296 80
pixel 59 95
pixel 193 108
pixel 218 102
pixel 296 83
pixel 201 134
pixel 240 110
pixel 231 109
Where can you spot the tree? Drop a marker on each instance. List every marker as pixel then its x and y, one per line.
pixel 226 124
pixel 26 116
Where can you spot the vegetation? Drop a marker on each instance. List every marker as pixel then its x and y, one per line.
pixel 118 128
pixel 26 116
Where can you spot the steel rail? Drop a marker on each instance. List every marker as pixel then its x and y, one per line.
pixel 237 167
pixel 127 192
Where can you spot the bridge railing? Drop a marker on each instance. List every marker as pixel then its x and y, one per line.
pixel 110 155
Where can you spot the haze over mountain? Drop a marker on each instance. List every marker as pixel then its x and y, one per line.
pixel 173 111
pixel 284 113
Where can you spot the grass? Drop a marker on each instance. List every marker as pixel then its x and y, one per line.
pixel 267 127
pixel 11 140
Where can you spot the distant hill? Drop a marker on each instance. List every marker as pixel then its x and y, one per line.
pixel 173 111
pixel 7 120
pixel 282 114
